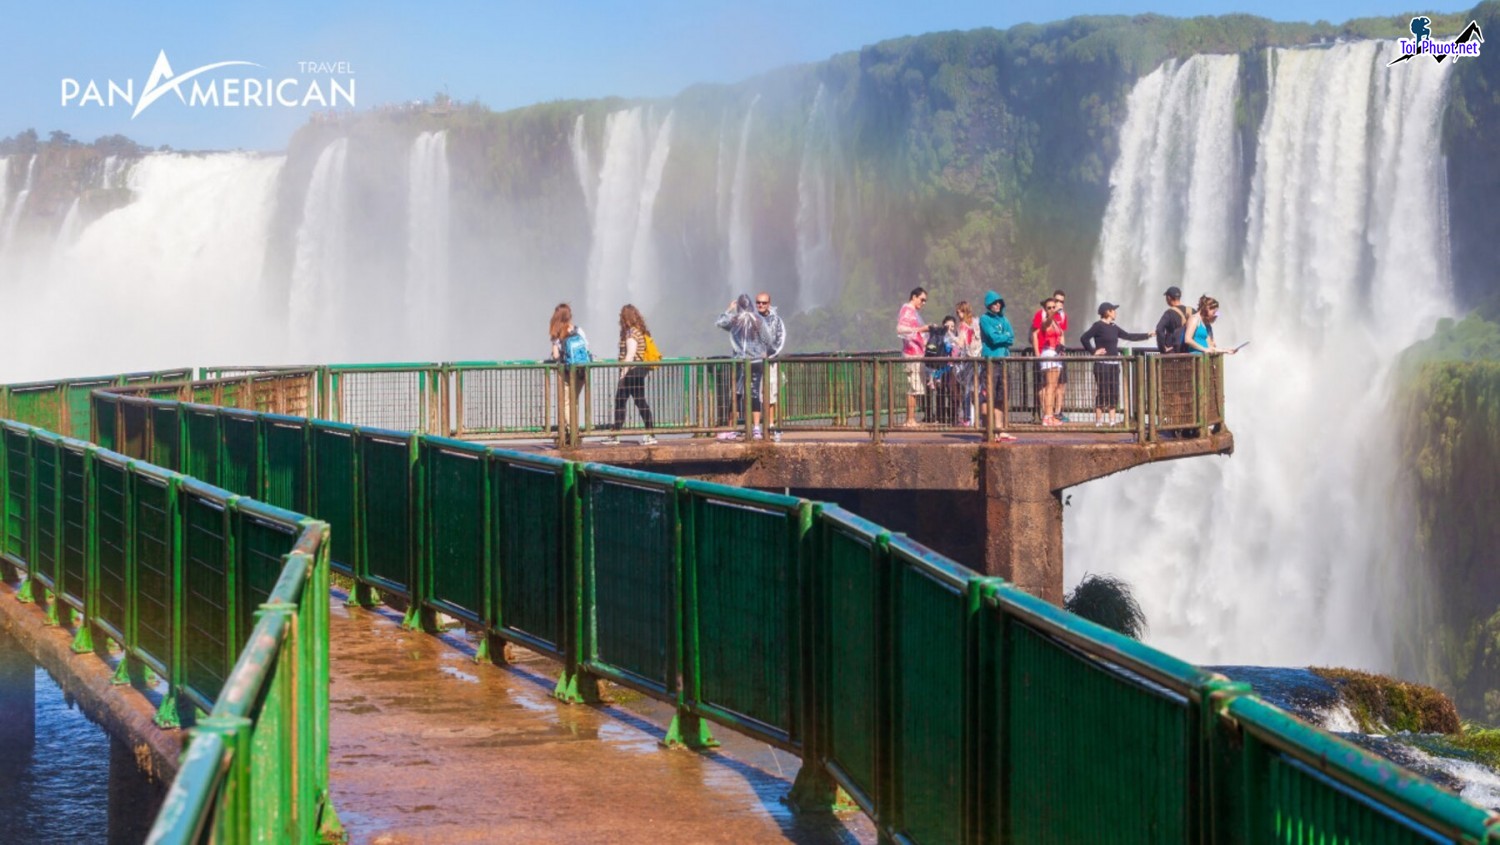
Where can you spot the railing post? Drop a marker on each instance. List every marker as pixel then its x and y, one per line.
pixel 687 727
pixel 1200 378
pixel 574 685
pixel 875 398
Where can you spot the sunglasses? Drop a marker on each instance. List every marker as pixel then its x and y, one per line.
pixel 762 302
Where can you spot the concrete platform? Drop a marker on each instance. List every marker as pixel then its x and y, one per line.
pixel 429 746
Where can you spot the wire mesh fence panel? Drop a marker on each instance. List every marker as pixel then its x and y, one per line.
pixel 18 496
pixel 397 400
pixel 385 509
pixel 1176 391
pixel 259 545
pixel 530 520
pixel 455 541
pixel 1215 409
pixel 240 471
pixel 201 459
pixel 630 576
pixel 506 401
pixel 79 408
pixel 41 406
pixel 285 447
pixel 289 393
pixel 166 436
pixel 333 490
pixel 110 503
pixel 206 645
pixel 827 393
pixel 45 460
pixel 664 396
pixel 848 633
pixel 152 548
pixel 134 432
pixel 106 419
pixel 746 652
pixel 74 525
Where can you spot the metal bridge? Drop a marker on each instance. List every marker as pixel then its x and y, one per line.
pixel 950 707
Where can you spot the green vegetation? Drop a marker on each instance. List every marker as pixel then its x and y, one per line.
pixel 1382 704
pixel 1449 407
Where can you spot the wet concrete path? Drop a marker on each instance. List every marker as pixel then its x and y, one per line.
pixel 428 746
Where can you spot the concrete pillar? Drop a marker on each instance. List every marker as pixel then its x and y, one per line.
pixel 1023 520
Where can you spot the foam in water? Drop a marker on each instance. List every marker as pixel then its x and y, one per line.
pixel 428 204
pixel 817 273
pixel 1280 554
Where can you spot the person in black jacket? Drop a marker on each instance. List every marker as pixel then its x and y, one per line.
pixel 1169 329
pixel 1103 338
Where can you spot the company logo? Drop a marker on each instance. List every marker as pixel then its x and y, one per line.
pixel 1465 46
pixel 323 84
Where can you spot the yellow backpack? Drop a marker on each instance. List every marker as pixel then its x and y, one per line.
pixel 649 351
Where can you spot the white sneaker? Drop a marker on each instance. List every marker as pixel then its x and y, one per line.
pixel 728 435
pixel 611 440
pixel 755 433
pixel 776 436
pixel 648 440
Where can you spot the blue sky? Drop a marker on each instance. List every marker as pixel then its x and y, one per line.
pixel 505 54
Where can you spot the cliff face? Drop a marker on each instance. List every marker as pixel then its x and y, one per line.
pixel 1450 418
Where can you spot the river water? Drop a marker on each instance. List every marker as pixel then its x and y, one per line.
pixel 63 778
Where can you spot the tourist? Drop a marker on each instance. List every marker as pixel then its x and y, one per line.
pixel 749 339
pixel 777 342
pixel 1199 331
pixel 1061 321
pixel 968 346
pixel 939 352
pixel 996 338
pixel 570 346
pixel 1046 338
pixel 633 334
pixel 1103 338
pixel 913 334
pixel 1169 329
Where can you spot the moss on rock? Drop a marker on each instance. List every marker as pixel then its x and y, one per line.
pixel 1382 704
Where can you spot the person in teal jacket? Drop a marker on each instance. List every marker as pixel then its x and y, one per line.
pixel 995 332
pixel 996 337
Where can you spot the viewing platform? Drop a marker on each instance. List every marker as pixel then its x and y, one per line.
pixel 190 541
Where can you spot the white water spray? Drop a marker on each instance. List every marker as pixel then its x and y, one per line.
pixel 1278 555
pixel 13 219
pixel 427 294
pixel 320 302
pixel 583 167
pixel 741 275
pixel 622 262
pixel 817 273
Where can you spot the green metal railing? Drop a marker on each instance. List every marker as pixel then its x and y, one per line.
pixel 519 400
pixel 62 406
pixel 951 707
pixel 216 600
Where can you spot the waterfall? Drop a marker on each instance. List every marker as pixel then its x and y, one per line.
pixel 817 274
pixel 741 261
pixel 427 294
pixel 68 231
pixel 176 271
pixel 1280 554
pixel 622 253
pixel 588 180
pixel 14 217
pixel 4 185
pixel 320 303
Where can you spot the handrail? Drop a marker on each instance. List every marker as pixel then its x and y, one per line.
pixel 1148 396
pixel 887 668
pixel 114 543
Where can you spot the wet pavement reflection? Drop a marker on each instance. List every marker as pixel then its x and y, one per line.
pixel 428 746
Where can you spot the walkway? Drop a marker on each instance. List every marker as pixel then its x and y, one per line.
pixel 428 746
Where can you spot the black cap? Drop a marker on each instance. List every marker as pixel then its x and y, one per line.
pixel 1106 307
pixel 1174 292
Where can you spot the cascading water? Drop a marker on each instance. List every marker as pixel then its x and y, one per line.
pixel 588 180
pixel 621 255
pixel 320 305
pixel 8 236
pixel 71 225
pixel 4 185
pixel 741 269
pixel 1279 555
pixel 428 204
pixel 177 268
pixel 817 274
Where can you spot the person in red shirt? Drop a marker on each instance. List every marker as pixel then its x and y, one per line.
pixel 1046 339
pixel 1062 324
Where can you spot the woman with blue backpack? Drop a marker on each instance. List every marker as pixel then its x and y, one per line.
pixel 570 347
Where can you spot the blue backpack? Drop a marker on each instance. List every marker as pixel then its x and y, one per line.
pixel 575 350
